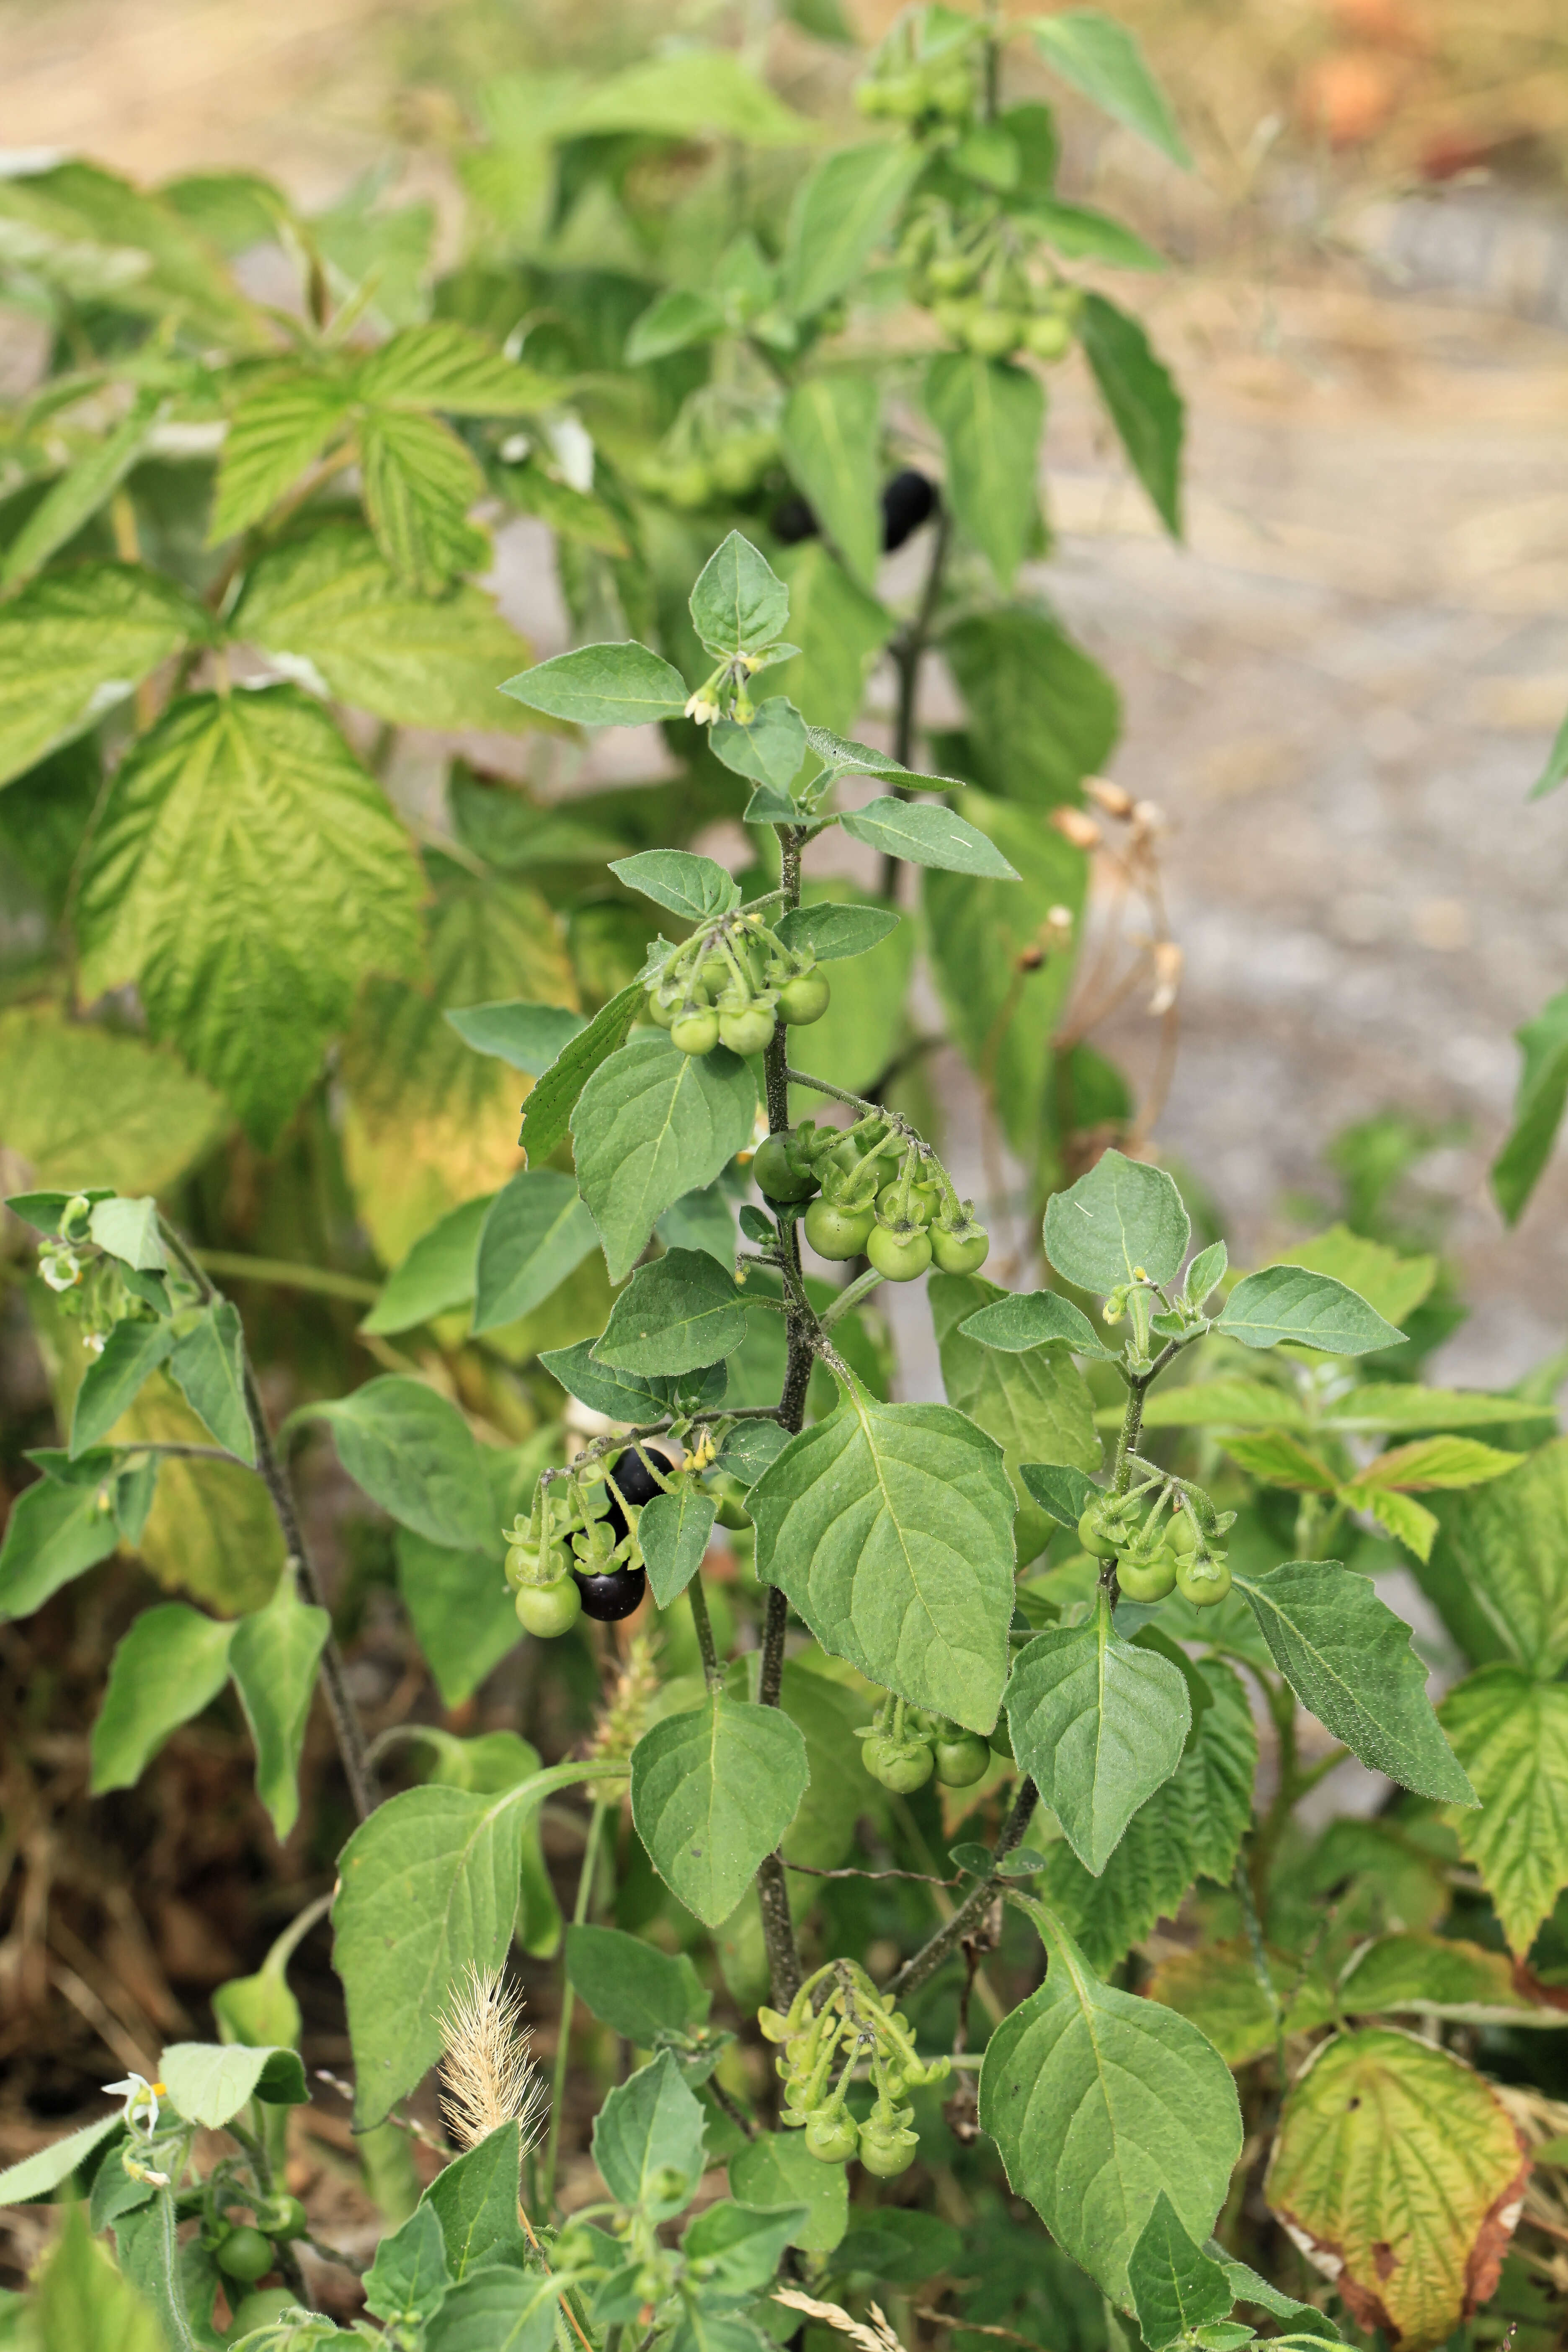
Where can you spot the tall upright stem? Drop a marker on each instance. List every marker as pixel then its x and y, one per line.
pixel 568 2004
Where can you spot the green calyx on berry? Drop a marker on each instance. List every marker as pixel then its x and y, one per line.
pixel 837 1233
pixel 900 1252
pixel 961 1758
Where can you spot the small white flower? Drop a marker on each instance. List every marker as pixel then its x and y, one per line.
pixel 701 710
pixel 138 2093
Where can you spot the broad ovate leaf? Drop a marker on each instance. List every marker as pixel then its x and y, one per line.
pixel 648 2140
pixel 681 1312
pixel 210 2082
pixel 602 686
pixel 649 1126
pixel 927 833
pixel 1121 1220
pixel 1314 1310
pixel 1097 1724
pixel 413 1453
pixel 739 603
pixel 535 1233
pixel 889 1528
pixel 273 1658
pixel 173 1662
pixel 1399 2172
pixel 712 1794
pixel 990 414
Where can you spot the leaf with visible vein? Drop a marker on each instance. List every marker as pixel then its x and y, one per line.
pixel 712 1794
pixel 76 644
pixel 651 1125
pixel 1510 1733
pixel 547 1113
pixel 1097 1724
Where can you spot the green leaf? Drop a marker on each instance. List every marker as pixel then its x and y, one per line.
pixel 55 1530
pixel 273 434
pixel 427 1890
pixel 528 1036
pixel 777 2170
pixel 1399 1405
pixel 330 609
pixel 1432 1462
pixel 76 644
pixel 990 415
pixel 490 1766
pixel 1174 2285
pixel 1398 2159
pixel 1102 61
pixel 863 1027
pixel 649 1126
pixel 1218 1988
pixel 748 1449
pixel 1018 1320
pixel 1508 1548
pixel 1543 1081
pixel 701 1220
pixel 632 1397
pixel 75 496
pixel 769 750
pixel 602 686
pixel 54 2166
pixel 927 835
pixel 1084 235
pixel 209 2082
pixel 83 2304
pixel 1042 715
pixel 739 605
pixel 1510 1733
pixel 1098 2101
pixel 673 1531
pixel 497 2310
pixel 173 1663
pixel 840 631
pixel 843 210
pixel 1144 403
pixel 831 438
pixel 1216 1405
pixel 547 1113
pixel 419 482
pixel 239 835
pixel 460 1609
pixel 128 1230
pixel 673 321
pixel 475 2201
pixel 413 1453
pixel 1394 1284
pixel 712 1794
pixel 444 365
pixel 1282 1460
pixel 273 1659
pixel 740 2251
pixel 410 2277
pixel 694 93
pixel 681 1312
pixel 1556 768
pixel 130 1354
pixel 535 1233
pixel 1034 1404
pixel 1097 1725
pixel 1063 1494
pixel 889 1527
pixel 81 1099
pixel 1440 1976
pixel 832 930
pixel 696 888
pixel 1348 1659
pixel 648 2140
pixel 843 757
pixel 632 1987
pixel 208 1362
pixel 1313 1310
pixel 1122 1218
pixel 437 1275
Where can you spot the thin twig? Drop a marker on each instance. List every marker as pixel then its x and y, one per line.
pixel 920 1877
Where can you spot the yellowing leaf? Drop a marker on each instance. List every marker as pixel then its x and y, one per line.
pixel 211 1531
pixel 1399 2172
pixel 86 1105
pixel 75 644
pixel 1218 1988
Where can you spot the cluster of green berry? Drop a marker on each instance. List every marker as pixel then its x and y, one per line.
pixel 712 452
pixel 1156 1556
pixel 732 983
pixel 245 2251
pixel 972 273
pixel 837 2023
pixel 576 1554
pixel 903 1746
pixel 874 1189
pixel 923 73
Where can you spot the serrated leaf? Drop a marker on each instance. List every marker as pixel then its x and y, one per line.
pixel 1282 1460
pixel 74 644
pixel 427 1890
pixel 832 930
pixel 842 212
pixel 739 605
pixel 414 1454
pixel 173 1663
pixel 650 1125
pixel 649 2127
pixel 419 482
pixel 1434 1463
pixel 81 1100
pixel 210 2082
pixel 444 365
pixel 548 1112
pixel 208 1363
pixel 1100 58
pixel 273 434
pixel 1098 2101
pixel 1510 1733
pixel 1144 405
pixel 1097 1724
pixel 1216 1405
pixel 698 889
pixel 1508 1545
pixel 990 415
pixel 712 1794
pixel 535 1233
pixel 1218 1988
pixel 1542 1088
pixel 1020 1321
pixel 1348 1659
pixel 1440 1976
pixel 246 876
pixel 1174 2285
pixel 1311 1310
pixel 1123 1217
pixel 927 835
pixel 889 1529
pixel 329 607
pixel 1400 2162
pixel 769 750
pixel 673 1531
pixel 130 1354
pixel 1398 1405
pixel 273 1658
pixel 831 439
pixel 603 685
pixel 1034 1404
pixel 437 1275
pixel 681 1312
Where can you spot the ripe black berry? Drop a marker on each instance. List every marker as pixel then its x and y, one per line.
pixel 632 1479
pixel 613 1596
pixel 908 500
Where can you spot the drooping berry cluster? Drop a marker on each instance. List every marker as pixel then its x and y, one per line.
pixel 873 1188
pixel 836 2024
pixel 732 983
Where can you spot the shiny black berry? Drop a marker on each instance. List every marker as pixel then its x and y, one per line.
pixel 632 1478
pixel 793 520
pixel 614 1596
pixel 908 500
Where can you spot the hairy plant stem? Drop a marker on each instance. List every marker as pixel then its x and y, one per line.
pixel 703 1625
pixel 568 2003
pixel 972 1909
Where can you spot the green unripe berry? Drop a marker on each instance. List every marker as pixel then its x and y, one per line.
pixel 549 1609
pixel 696 1032
pixel 746 1032
pixel 1047 336
pixel 836 1232
pixel 1093 1536
pixel 246 2254
pixel 899 1253
pixel 992 334
pixel 1147 1580
pixel 960 1761
pixel 803 999
pixel 886 2151
pixel 959 1249
pixel 1204 1582
pixel 833 2138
